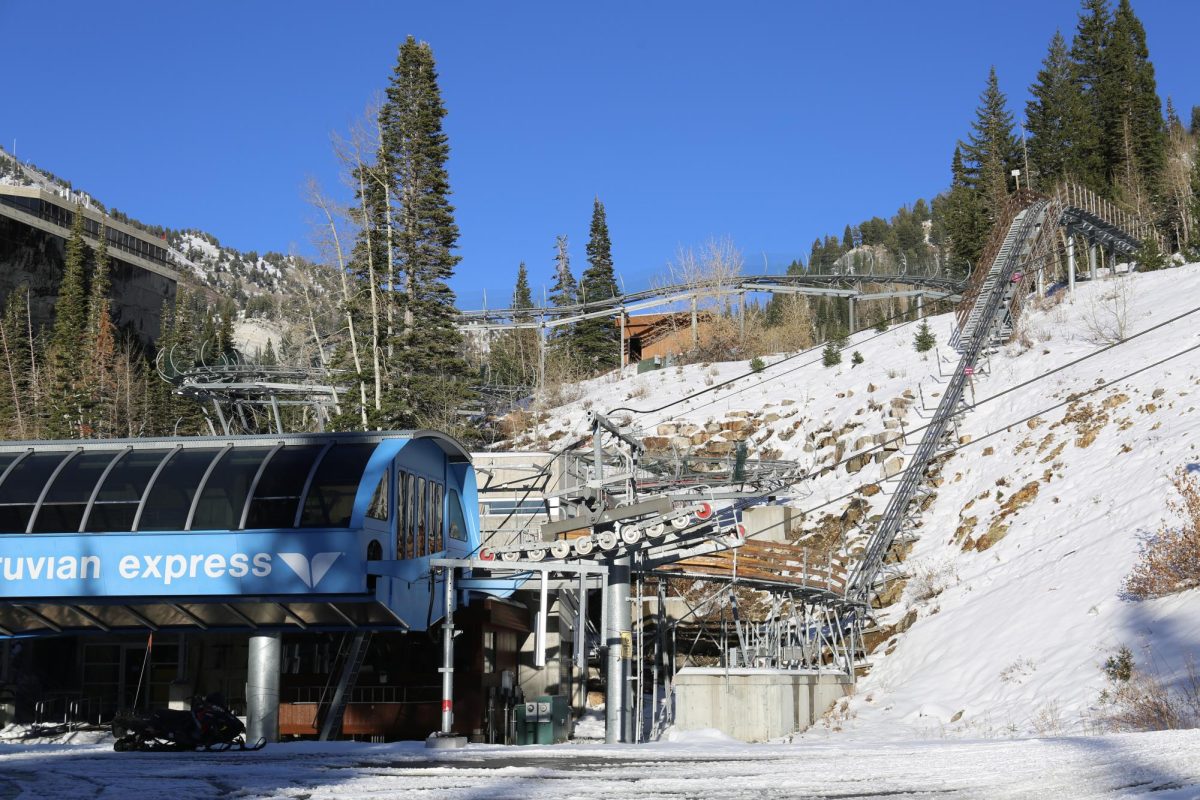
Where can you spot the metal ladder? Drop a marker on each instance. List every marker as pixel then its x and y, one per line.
pixel 977 333
pixel 352 663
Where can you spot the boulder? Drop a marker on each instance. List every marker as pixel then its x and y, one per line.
pixel 893 466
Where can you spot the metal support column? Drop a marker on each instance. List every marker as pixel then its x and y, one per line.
pixel 447 668
pixel 1092 261
pixel 618 631
pixel 262 687
pixel 920 306
pixel 850 305
pixel 539 643
pixel 1071 262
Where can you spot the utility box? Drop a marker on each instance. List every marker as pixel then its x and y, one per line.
pixel 545 720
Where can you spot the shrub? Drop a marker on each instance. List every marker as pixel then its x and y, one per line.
pixel 1142 701
pixel 925 338
pixel 757 364
pixel 856 358
pixel 831 355
pixel 1169 560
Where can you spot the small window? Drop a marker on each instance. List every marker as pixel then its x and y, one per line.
pixel 379 501
pixel 402 506
pixel 439 536
pixel 458 525
pixel 420 504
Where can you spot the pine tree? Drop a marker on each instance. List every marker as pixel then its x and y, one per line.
pixel 848 239
pixel 1088 70
pixel 965 223
pixel 428 378
pixel 512 358
pixel 992 151
pixel 1055 116
pixel 925 339
pixel 101 346
pixel 597 341
pixel 1133 134
pixel 65 362
pixel 563 293
pixel 832 354
pixel 1194 125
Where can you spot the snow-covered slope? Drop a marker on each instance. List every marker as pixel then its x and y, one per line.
pixel 1013 598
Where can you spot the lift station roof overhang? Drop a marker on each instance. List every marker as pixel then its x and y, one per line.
pixel 199 533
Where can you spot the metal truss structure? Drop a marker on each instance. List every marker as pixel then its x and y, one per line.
pixel 245 397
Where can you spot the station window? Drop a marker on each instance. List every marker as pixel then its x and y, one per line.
pixel 23 486
pixel 224 495
pixel 403 490
pixel 277 495
pixel 117 502
pixel 437 534
pixel 330 500
pixel 458 525
pixel 171 497
pixel 419 502
pixel 62 510
pixel 378 509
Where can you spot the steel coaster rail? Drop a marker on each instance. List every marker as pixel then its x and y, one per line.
pixel 1019 232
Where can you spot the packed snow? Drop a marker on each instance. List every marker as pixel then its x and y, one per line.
pixel 1163 766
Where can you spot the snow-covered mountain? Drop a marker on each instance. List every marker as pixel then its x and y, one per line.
pixel 268 288
pixel 1010 598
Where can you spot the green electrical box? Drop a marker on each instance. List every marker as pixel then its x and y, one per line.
pixel 546 720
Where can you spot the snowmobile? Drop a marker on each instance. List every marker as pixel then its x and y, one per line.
pixel 210 725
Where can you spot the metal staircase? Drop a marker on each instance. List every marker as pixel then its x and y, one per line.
pixel 966 332
pixel 351 655
pixel 984 322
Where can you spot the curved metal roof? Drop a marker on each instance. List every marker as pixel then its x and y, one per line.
pixel 192 483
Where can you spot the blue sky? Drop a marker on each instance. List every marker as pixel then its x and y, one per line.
pixel 770 123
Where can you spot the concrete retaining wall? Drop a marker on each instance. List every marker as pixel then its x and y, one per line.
pixel 754 705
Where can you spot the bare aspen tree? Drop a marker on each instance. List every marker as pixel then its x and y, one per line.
pixel 322 203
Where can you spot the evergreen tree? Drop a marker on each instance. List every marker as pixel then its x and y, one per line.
pixel 1088 70
pixel 992 151
pixel 965 223
pixel 512 359
pixel 925 339
pixel 564 292
pixel 101 346
pixel 597 341
pixel 1194 125
pixel 64 359
pixel 832 354
pixel 1131 113
pixel 428 379
pixel 1055 116
pixel 848 239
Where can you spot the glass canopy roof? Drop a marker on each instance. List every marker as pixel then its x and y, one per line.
pixel 185 484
